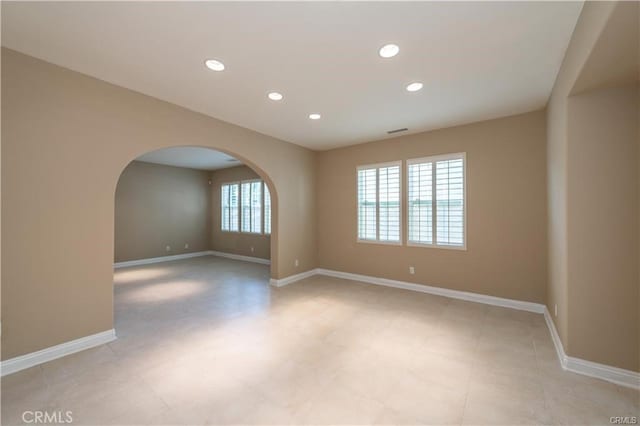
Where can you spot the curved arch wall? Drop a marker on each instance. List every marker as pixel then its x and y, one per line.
pixel 66 139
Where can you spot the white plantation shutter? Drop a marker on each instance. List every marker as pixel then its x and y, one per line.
pixel 256 206
pixel 234 207
pixel 379 203
pixel 251 206
pixel 229 206
pixel 224 204
pixel 245 223
pixel 450 202
pixel 367 200
pixel 420 200
pixel 267 210
pixel 436 183
pixel 389 203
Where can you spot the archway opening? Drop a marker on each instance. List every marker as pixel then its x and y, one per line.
pixel 191 222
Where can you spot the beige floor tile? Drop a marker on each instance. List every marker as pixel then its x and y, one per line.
pixel 337 405
pixel 630 398
pixel 449 372
pixel 369 377
pixel 133 401
pixel 207 341
pixel 502 407
pixel 571 410
pixel 394 418
pixel 427 402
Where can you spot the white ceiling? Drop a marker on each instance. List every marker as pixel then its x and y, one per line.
pixel 477 60
pixel 191 157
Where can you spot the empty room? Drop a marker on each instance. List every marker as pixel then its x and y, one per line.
pixel 320 213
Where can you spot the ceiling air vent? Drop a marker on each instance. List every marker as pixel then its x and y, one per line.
pixel 404 129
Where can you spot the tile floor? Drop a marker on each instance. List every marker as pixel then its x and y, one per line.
pixel 207 341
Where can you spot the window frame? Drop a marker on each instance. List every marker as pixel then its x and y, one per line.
pixel 434 159
pixel 377 166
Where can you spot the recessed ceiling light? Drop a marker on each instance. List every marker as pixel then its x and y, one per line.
pixel 314 116
pixel 389 50
pixel 414 87
pixel 275 96
pixel 214 65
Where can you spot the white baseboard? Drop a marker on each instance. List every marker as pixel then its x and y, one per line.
pixel 292 278
pixel 611 374
pixel 151 260
pixel 454 294
pixel 160 259
pixel 555 338
pixel 240 257
pixel 619 376
pixel 32 359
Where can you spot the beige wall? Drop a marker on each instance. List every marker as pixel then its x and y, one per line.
pixel 593 277
pixel 506 207
pixel 603 236
pixel 557 297
pixel 159 206
pixel 235 242
pixel 66 138
pixel 589 26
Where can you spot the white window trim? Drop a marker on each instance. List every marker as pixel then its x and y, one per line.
pixel 251 180
pixel 377 241
pixel 433 160
pixel 235 182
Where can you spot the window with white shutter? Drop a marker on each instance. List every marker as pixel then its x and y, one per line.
pixel 229 205
pixel 251 206
pixel 420 200
pixel 267 210
pixel 450 202
pixel 244 205
pixel 436 201
pixel 379 205
pixel 367 201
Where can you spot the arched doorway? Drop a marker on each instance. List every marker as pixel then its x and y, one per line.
pixel 181 190
pixel 207 159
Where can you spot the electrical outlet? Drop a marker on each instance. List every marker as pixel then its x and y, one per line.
pixel 186 245
pixel 296 263
pixel 412 270
pixel 555 309
pixel 252 249
pixel 168 248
